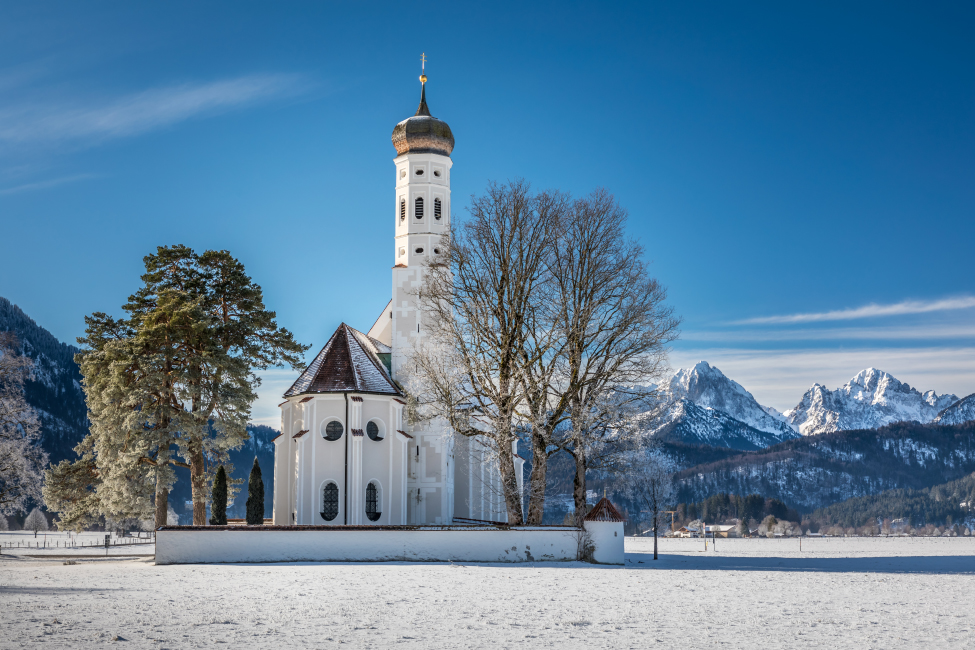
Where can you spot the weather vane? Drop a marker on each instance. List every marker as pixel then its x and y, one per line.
pixel 423 67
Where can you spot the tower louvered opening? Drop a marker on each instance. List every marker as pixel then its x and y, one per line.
pixel 437 209
pixel 402 209
pixel 418 208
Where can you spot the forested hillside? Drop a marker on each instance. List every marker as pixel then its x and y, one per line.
pixel 814 472
pixel 946 504
pixel 55 387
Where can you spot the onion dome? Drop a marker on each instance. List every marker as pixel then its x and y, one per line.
pixel 423 133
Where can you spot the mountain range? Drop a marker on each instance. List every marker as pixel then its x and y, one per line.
pixel 704 407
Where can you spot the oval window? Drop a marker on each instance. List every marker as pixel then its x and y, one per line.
pixel 372 502
pixel 419 251
pixel 333 430
pixel 436 173
pixel 402 173
pixel 419 172
pixel 330 502
pixel 372 430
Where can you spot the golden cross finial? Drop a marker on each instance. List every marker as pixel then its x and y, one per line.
pixel 423 67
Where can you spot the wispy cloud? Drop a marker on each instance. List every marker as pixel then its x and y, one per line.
pixel 43 185
pixel 914 332
pixel 780 377
pixel 867 311
pixel 141 112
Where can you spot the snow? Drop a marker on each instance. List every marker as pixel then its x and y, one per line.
pixel 838 592
pixel 961 411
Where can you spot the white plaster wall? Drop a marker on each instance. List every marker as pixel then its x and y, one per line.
pixel 607 536
pixel 336 545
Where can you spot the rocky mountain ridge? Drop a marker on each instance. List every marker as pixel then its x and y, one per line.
pixel 873 398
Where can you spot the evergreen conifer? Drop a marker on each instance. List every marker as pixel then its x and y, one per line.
pixel 218 505
pixel 255 497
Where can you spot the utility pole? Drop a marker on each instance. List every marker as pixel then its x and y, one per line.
pixel 671 513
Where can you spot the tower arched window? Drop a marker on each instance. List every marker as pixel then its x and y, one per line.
pixel 402 209
pixel 372 502
pixel 437 209
pixel 418 208
pixel 330 501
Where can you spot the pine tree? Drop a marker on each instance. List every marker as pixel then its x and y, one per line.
pixel 218 504
pixel 255 497
pixel 175 377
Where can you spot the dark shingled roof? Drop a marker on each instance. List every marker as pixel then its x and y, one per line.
pixel 604 511
pixel 347 364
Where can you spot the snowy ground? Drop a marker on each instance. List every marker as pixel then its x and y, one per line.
pixel 24 543
pixel 863 593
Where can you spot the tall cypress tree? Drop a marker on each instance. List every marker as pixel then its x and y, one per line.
pixel 218 506
pixel 255 497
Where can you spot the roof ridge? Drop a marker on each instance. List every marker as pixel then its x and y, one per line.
pixel 348 346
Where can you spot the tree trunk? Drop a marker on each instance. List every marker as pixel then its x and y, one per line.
pixel 162 506
pixel 536 484
pixel 198 483
pixel 655 536
pixel 579 486
pixel 509 483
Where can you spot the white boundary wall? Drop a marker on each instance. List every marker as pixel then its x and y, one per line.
pixel 522 544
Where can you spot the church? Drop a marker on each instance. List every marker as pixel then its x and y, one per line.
pixel 347 454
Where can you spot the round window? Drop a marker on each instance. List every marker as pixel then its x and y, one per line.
pixel 333 430
pixel 437 174
pixel 372 430
pixel 419 251
pixel 436 251
pixel 419 172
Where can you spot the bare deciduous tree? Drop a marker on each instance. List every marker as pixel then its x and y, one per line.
pixel 617 327
pixel 476 298
pixel 647 480
pixel 21 457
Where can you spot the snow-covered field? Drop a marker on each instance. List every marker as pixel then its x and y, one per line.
pixel 839 593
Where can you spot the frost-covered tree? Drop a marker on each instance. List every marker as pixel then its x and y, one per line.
pixel 172 519
pixel 255 496
pixel 767 527
pixel 647 480
pixel 218 502
pixel 4 526
pixel 36 521
pixel 21 457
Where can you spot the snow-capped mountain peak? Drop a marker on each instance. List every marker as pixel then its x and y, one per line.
pixel 872 398
pixel 707 387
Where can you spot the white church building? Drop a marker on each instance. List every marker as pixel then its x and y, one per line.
pixel 347 455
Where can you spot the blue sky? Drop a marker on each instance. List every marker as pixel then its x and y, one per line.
pixel 801 176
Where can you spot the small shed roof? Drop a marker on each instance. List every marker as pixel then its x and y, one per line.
pixel 604 511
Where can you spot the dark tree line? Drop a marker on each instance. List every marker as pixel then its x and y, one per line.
pixel 724 507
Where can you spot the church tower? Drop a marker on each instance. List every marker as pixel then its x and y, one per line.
pixel 422 215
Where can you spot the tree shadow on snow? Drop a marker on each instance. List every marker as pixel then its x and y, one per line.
pixel 933 564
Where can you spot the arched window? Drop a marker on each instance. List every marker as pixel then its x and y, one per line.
pixel 372 502
pixel 332 430
pixel 402 209
pixel 330 501
pixel 436 209
pixel 418 208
